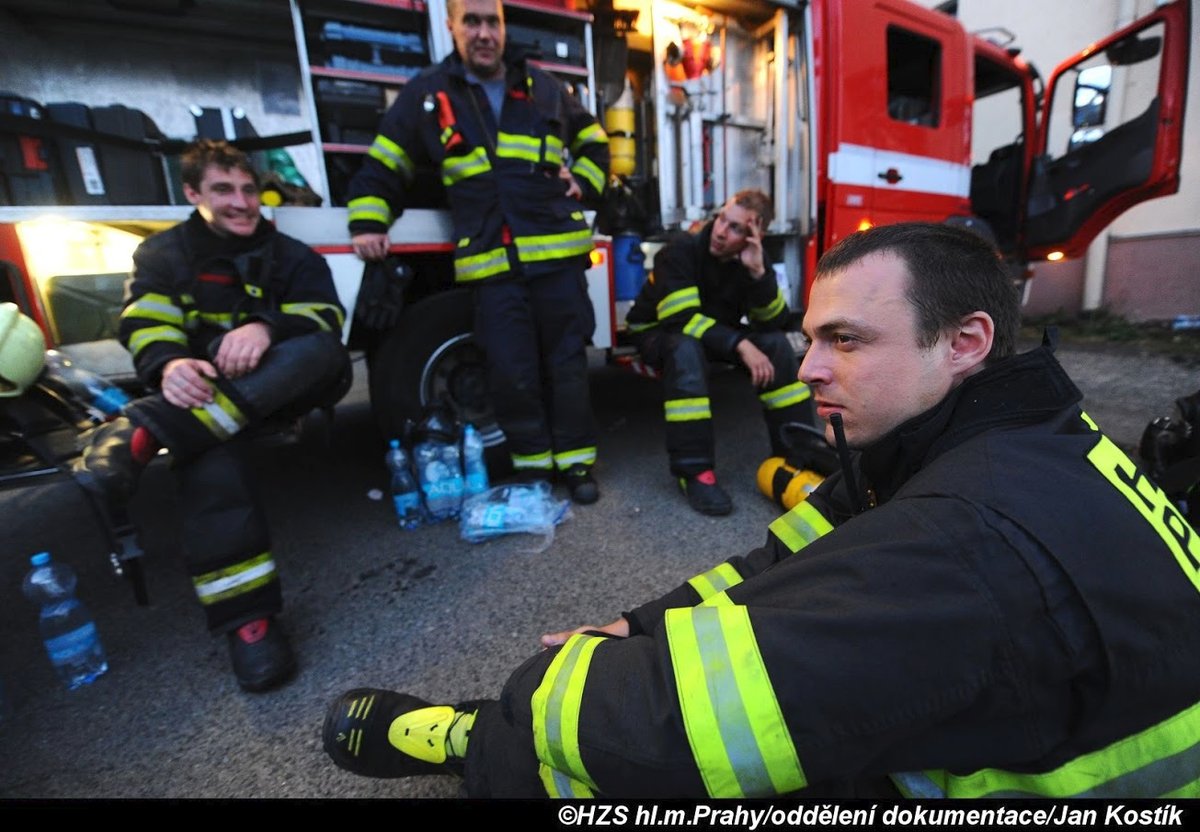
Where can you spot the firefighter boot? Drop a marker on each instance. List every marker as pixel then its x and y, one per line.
pixel 581 484
pixel 381 733
pixel 704 495
pixel 114 455
pixel 261 655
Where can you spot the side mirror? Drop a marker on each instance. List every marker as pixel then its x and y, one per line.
pixel 1133 50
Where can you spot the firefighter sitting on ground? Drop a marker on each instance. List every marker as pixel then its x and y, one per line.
pixel 989 600
pixel 229 322
pixel 690 310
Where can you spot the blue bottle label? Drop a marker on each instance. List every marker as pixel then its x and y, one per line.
pixel 448 487
pixel 405 503
pixel 70 646
pixel 112 401
pixel 494 517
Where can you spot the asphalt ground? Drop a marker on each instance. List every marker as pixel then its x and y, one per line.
pixel 369 604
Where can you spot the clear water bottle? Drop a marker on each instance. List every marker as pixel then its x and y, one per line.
pixel 98 395
pixel 67 628
pixel 405 494
pixel 475 475
pixel 439 468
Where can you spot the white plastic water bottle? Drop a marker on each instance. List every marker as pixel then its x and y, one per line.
pixel 475 473
pixel 67 628
pixel 405 494
pixel 102 398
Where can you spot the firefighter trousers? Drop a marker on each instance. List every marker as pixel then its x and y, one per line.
pixel 226 542
pixel 684 364
pixel 535 331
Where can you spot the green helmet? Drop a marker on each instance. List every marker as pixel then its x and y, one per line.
pixel 22 351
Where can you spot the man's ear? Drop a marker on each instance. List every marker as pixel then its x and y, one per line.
pixel 191 194
pixel 971 342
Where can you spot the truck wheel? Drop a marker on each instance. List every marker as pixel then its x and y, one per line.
pixel 431 356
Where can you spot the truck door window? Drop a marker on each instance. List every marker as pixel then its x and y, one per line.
pixel 1111 92
pixel 914 78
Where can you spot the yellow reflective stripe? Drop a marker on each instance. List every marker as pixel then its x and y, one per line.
pixel 313 311
pixel 687 410
pixel 800 527
pixel 554 150
pixel 739 739
pixel 721 599
pixel 592 134
pixel 479 266
pixel 720 578
pixel 553 246
pixel 1150 501
pixel 143 338
pixel 558 784
pixel 766 313
pixel 577 456
pixel 590 171
pixel 1162 760
pixel 514 146
pixel 640 327
pixel 252 290
pixel 457 168
pixel 224 320
pixel 391 156
pixel 369 208
pixel 556 704
pixel 678 301
pixel 446 133
pixel 787 396
pixel 238 579
pixel 154 307
pixel 698 325
pixel 543 461
pixel 221 416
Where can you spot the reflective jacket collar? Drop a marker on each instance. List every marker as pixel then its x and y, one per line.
pixel 514 64
pixel 1021 390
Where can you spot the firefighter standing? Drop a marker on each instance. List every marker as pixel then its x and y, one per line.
pixel 499 133
pixel 989 600
pixel 690 310
pixel 231 322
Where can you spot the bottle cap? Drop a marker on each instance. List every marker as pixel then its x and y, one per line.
pixel 40 559
pixel 395 443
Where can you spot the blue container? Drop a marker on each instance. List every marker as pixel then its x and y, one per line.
pixel 629 265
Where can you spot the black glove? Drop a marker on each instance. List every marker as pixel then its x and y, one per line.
pixel 381 295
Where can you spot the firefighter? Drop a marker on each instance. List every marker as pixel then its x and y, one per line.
pixel 229 322
pixel 990 599
pixel 689 311
pixel 500 133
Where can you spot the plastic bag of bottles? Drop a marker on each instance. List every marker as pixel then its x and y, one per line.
pixel 513 509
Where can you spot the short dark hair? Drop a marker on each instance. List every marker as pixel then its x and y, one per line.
pixel 201 153
pixel 951 273
pixel 755 200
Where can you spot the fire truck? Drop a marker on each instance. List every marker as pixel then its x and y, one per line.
pixel 848 113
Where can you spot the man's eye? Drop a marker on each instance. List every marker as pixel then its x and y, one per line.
pixel 842 339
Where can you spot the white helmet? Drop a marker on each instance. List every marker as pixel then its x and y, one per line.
pixel 22 351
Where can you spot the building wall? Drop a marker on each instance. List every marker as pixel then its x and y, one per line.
pixel 1145 266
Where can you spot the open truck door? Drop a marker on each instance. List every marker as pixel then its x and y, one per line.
pixel 1110 133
